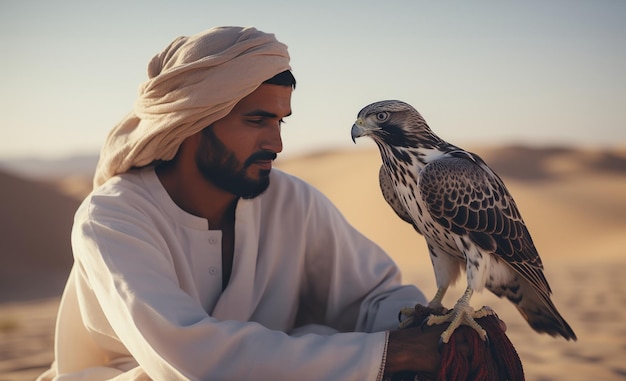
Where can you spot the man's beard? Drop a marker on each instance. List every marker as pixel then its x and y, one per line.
pixel 219 165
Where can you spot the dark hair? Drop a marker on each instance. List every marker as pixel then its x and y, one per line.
pixel 284 78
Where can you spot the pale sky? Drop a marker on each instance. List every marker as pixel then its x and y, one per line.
pixel 480 72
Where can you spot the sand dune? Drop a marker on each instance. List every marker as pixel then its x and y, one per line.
pixel 573 201
pixel 35 250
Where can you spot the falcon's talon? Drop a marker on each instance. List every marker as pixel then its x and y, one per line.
pixel 407 311
pixel 483 312
pixel 406 323
pixel 410 317
pixel 437 307
pixel 437 319
pixel 440 345
pixel 462 313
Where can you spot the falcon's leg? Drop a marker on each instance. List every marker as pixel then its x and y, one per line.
pixel 462 313
pixel 435 304
pixel 447 270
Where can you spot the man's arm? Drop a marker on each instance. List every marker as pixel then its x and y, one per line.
pixel 171 336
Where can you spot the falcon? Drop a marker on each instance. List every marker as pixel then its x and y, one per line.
pixel 467 216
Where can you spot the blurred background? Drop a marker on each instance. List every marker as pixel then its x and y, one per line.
pixel 537 88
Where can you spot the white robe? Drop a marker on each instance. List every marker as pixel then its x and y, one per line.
pixel 309 298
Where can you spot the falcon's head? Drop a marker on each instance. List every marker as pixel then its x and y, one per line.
pixel 393 123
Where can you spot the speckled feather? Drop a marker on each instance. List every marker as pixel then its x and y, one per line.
pixel 462 208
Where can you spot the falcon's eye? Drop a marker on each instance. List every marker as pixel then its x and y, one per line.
pixel 382 116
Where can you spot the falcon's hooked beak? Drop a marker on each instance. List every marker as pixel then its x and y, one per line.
pixel 359 129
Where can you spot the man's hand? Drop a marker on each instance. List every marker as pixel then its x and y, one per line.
pixel 418 349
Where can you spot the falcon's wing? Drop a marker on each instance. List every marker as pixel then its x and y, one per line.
pixel 468 198
pixel 389 194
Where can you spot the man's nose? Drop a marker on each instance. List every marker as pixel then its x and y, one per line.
pixel 272 140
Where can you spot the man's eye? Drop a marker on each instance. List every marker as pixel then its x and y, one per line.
pixel 262 121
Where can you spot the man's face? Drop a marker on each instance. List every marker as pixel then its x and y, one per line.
pixel 236 152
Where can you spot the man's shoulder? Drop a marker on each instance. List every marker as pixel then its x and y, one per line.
pixel 126 184
pixel 135 198
pixel 125 191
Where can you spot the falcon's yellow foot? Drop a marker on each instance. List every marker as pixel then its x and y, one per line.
pixel 407 314
pixel 409 317
pixel 462 313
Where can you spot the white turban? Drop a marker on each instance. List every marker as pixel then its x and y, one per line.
pixel 192 83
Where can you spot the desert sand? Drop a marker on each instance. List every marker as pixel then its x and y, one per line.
pixel 573 201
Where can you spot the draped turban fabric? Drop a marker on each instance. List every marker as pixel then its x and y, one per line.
pixel 192 83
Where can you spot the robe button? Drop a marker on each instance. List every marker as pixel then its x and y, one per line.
pixel 213 240
pixel 213 270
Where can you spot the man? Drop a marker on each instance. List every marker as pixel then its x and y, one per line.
pixel 194 259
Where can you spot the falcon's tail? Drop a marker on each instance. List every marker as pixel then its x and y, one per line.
pixel 541 314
